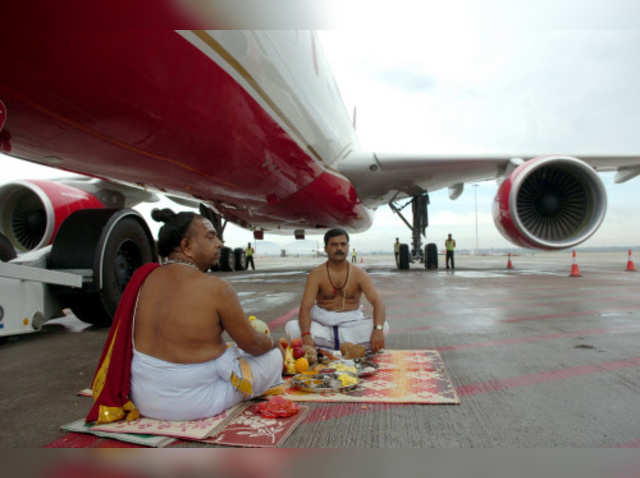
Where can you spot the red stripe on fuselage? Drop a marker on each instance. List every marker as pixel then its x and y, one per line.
pixel 147 107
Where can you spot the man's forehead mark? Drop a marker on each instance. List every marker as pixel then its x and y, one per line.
pixel 208 225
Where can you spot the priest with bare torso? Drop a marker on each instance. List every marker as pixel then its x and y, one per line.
pixel 330 312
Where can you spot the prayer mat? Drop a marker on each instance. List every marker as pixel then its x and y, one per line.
pixel 403 376
pixel 251 430
pixel 238 426
pixel 186 429
pixel 79 426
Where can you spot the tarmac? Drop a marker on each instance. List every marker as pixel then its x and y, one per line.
pixel 538 358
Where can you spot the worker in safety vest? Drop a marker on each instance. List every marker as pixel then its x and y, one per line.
pixel 249 254
pixel 354 256
pixel 450 245
pixel 396 248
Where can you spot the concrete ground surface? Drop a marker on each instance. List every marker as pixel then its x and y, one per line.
pixel 539 359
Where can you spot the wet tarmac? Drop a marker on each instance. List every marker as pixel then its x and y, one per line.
pixel 538 358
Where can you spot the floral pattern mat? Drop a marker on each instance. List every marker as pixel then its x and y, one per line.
pixel 404 376
pixel 239 426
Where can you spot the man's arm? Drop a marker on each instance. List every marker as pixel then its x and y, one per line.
pixel 238 326
pixel 379 314
pixel 308 299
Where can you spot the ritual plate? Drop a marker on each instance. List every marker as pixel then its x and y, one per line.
pixel 326 380
pixel 365 367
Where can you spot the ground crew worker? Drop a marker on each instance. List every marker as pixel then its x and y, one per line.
pixel 354 256
pixel 249 254
pixel 396 248
pixel 450 245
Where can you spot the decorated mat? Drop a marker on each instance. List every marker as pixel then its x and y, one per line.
pixel 404 376
pixel 238 426
pixel 187 429
pixel 251 430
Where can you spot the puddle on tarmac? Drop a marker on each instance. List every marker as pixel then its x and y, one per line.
pixel 245 293
pixel 477 274
pixel 265 274
pixel 261 303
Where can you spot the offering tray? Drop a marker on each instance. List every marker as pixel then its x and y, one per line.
pixel 365 366
pixel 325 380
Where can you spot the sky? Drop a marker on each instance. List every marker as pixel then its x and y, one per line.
pixel 479 77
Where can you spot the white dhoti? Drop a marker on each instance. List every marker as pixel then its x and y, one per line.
pixel 173 391
pixel 329 329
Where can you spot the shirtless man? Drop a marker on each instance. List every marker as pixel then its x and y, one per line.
pixel 181 367
pixel 330 313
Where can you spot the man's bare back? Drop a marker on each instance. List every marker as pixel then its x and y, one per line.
pixel 177 319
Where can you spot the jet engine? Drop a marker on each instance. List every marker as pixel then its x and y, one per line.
pixel 31 212
pixel 551 202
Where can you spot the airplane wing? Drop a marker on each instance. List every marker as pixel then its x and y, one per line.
pixel 381 177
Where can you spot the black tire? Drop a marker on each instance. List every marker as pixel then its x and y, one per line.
pixel 431 256
pixel 403 257
pixel 7 251
pixel 227 260
pixel 239 256
pixel 115 243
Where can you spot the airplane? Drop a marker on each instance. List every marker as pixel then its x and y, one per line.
pixel 247 126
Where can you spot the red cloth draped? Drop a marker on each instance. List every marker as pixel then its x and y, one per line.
pixel 111 383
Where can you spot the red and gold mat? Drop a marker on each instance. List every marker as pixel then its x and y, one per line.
pixel 404 376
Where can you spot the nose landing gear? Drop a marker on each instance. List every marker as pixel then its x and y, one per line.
pixel 420 221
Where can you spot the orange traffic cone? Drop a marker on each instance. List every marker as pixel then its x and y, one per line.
pixel 509 265
pixel 575 270
pixel 630 265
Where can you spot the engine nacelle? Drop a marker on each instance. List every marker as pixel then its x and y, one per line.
pixel 550 202
pixel 31 212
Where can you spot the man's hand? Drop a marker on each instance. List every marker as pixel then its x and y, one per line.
pixel 377 340
pixel 308 340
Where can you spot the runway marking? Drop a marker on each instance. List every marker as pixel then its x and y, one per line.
pixel 629 444
pixel 410 329
pixel 584 313
pixel 543 377
pixel 534 338
pixel 283 319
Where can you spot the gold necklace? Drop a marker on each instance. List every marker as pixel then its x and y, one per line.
pixel 336 288
pixel 184 263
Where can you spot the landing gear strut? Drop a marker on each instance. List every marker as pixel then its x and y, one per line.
pixel 419 208
pixel 230 259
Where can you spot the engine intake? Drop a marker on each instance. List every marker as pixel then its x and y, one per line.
pixel 552 202
pixel 31 212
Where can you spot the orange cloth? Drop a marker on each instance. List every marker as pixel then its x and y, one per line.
pixel 112 381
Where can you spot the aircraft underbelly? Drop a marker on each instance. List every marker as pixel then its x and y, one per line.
pixel 153 110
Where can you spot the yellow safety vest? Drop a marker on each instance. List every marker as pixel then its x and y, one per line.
pixel 396 247
pixel 450 244
pixel 249 251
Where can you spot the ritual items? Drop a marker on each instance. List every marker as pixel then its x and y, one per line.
pixel 260 326
pixel 276 407
pixel 352 351
pixel 310 354
pixel 325 380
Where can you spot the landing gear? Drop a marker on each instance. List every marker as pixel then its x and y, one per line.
pixel 419 208
pixel 230 259
pixel 106 246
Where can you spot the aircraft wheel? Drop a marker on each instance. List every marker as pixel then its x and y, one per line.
pixel 112 243
pixel 227 260
pixel 403 257
pixel 431 256
pixel 7 251
pixel 240 259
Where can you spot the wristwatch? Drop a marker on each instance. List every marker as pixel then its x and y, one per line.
pixel 378 327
